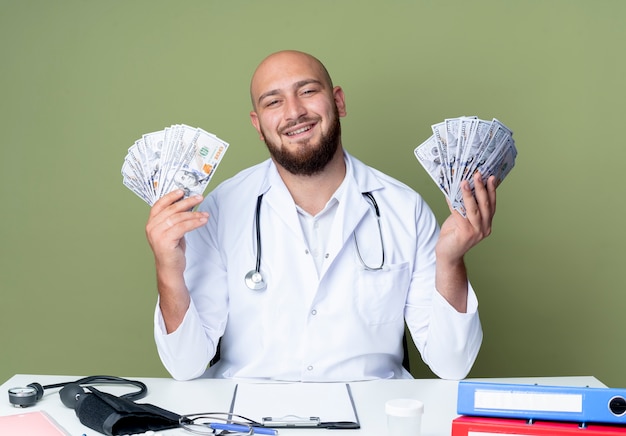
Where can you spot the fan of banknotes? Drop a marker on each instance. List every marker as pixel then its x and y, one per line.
pixel 178 157
pixel 459 147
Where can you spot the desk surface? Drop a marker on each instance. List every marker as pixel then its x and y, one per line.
pixel 205 395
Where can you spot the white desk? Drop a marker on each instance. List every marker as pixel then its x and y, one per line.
pixel 214 395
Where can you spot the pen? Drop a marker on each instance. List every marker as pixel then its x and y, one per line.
pixel 242 428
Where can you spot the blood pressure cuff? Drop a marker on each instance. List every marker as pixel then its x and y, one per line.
pixel 111 415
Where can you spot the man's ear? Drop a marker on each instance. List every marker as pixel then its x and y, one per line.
pixel 255 122
pixel 340 101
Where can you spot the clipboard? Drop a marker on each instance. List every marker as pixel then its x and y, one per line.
pixel 297 405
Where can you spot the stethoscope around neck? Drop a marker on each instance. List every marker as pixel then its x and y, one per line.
pixel 254 279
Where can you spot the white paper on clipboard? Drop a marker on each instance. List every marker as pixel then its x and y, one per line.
pixel 330 402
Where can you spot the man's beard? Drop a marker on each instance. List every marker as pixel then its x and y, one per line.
pixel 308 160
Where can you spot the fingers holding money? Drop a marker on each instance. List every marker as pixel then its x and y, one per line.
pixel 172 212
pixel 480 207
pixel 170 218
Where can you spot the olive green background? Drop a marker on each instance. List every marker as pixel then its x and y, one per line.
pixel 81 80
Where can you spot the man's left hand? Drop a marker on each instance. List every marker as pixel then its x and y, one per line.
pixel 459 234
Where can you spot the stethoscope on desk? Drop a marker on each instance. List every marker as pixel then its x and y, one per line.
pixel 254 279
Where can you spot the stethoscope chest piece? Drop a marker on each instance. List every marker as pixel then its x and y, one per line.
pixel 254 280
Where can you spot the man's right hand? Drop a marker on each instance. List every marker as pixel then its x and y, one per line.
pixel 170 218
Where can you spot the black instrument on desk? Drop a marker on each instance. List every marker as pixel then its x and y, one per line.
pixel 71 392
pixel 102 411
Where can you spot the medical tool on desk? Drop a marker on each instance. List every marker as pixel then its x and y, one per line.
pixel 101 411
pixel 254 279
pixel 71 392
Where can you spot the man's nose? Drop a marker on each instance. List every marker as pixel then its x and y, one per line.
pixel 294 109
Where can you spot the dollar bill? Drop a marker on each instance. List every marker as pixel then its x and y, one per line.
pixel 429 156
pixel 177 157
pixel 440 134
pixel 460 147
pixel 197 164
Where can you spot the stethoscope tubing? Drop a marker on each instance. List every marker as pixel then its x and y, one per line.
pixel 254 279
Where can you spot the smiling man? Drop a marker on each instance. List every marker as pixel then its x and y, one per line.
pixel 307 266
pixel 298 119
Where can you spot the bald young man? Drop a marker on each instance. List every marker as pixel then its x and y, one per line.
pixel 347 255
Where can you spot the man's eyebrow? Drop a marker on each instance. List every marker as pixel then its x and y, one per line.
pixel 305 82
pixel 296 85
pixel 267 94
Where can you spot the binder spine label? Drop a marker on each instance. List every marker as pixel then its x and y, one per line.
pixel 546 402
